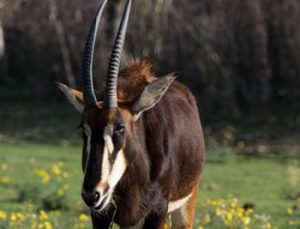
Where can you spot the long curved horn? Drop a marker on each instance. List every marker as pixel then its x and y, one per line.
pixel 110 97
pixel 87 62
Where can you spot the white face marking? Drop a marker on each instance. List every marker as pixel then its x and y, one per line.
pixel 108 150
pixel 110 174
pixel 108 132
pixel 173 205
pixel 118 169
pixel 105 164
pixel 88 133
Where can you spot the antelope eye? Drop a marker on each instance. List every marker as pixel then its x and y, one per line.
pixel 120 128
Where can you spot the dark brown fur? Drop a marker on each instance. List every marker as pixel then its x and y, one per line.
pixel 164 151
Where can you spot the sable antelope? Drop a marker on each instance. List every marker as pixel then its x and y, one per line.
pixel 143 146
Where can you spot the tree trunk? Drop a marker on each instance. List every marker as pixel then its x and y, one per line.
pixel 2 43
pixel 59 29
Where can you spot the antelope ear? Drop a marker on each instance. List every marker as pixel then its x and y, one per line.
pixel 74 96
pixel 152 94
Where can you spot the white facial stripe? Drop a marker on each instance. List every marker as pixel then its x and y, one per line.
pixel 108 149
pixel 105 164
pixel 88 133
pixel 109 146
pixel 111 175
pixel 118 169
pixel 108 130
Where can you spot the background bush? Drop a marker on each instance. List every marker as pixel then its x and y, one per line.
pixel 241 58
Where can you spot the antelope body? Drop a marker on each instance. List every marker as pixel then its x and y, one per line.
pixel 143 146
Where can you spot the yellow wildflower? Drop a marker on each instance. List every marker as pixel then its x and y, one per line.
pixel 268 226
pixel 5 180
pixel 249 211
pixel 65 175
pixel 246 220
pixel 47 225
pixel 43 174
pixel 80 226
pixel 13 217
pixel 218 212
pixel 208 201
pixel 206 219
pixel 4 167
pixel 240 212
pixel 43 215
pixel 227 223
pixel 60 192
pixel 20 216
pixel 229 216
pixel 3 215
pixel 83 217
pixel 291 222
pixel 290 211
pixel 56 169
pixel 56 213
pixel 232 204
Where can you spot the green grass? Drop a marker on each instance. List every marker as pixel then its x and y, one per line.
pixel 22 158
pixel 36 136
pixel 262 182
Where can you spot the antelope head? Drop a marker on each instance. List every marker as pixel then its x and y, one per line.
pixel 105 132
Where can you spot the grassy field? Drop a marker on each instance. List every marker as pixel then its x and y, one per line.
pixel 231 183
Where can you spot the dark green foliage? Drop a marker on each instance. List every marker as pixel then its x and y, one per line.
pixel 241 58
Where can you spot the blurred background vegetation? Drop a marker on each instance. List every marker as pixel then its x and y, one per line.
pixel 240 58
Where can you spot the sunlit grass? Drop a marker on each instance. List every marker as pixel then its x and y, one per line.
pixel 262 183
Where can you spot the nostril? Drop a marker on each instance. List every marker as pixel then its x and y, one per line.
pixel 96 197
pixel 90 198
